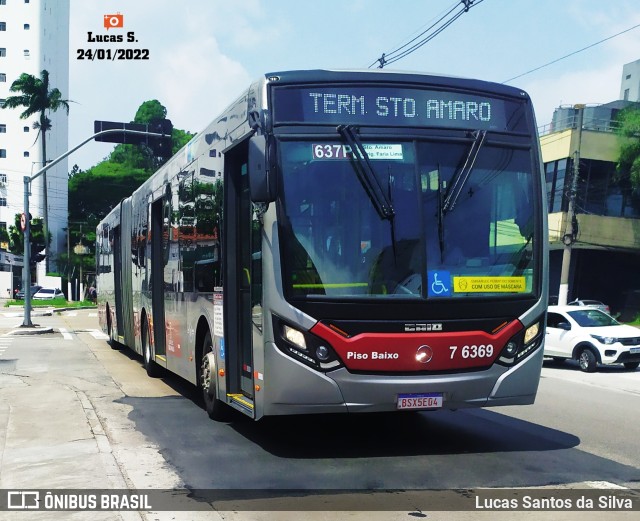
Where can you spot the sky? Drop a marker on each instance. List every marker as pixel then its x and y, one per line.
pixel 203 53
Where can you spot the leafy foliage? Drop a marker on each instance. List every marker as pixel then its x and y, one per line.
pixel 94 193
pixel 36 238
pixel 628 167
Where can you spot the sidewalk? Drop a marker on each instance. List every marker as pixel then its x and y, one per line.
pixel 64 427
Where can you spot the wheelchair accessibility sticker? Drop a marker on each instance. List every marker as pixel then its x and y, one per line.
pixel 438 283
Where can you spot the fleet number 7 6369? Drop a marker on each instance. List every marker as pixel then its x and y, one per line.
pixel 472 351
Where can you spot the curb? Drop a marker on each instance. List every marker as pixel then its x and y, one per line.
pixel 31 331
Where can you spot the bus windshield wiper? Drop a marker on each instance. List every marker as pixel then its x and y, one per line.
pixel 366 174
pixel 461 177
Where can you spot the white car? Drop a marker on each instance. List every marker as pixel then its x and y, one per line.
pixel 591 337
pixel 48 294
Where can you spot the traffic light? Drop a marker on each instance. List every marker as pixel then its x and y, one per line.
pixel 35 255
pixel 159 145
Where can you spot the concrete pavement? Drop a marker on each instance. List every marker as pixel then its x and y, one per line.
pixel 64 425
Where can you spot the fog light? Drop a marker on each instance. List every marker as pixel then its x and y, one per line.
pixel 511 348
pixel 322 353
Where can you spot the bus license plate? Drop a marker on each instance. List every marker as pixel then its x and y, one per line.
pixel 420 401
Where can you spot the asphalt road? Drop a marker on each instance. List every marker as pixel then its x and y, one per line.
pixel 581 433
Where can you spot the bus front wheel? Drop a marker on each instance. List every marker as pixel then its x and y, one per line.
pixel 215 408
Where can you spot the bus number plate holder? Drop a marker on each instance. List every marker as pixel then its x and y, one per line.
pixel 419 401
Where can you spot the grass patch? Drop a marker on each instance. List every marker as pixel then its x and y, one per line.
pixel 54 303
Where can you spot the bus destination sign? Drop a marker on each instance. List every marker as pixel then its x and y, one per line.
pixel 396 107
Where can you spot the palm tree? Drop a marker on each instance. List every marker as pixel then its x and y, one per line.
pixel 37 97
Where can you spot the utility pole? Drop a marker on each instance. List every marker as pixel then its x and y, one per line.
pixel 571 222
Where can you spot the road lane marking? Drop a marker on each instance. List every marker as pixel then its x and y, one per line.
pixel 65 334
pixel 98 335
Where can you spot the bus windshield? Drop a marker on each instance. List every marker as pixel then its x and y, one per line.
pixel 335 243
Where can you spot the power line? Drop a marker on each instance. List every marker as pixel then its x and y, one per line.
pixel 425 36
pixel 572 53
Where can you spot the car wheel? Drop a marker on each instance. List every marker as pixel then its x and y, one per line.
pixel 631 366
pixel 587 360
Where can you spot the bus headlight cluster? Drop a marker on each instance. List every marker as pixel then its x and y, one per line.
pixel 294 336
pixel 521 344
pixel 304 346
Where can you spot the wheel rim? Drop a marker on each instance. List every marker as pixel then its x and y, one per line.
pixel 146 346
pixel 584 360
pixel 205 373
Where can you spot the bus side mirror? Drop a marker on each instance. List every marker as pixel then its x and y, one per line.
pixel 262 178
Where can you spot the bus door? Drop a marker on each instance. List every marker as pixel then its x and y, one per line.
pixel 238 277
pixel 117 280
pixel 159 228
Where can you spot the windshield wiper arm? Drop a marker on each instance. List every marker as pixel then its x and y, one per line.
pixel 366 174
pixel 460 179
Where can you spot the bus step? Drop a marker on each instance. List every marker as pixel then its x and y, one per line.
pixel 240 401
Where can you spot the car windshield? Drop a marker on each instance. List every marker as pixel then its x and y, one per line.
pixel 335 243
pixel 592 318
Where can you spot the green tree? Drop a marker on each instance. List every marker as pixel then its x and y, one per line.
pixel 37 97
pixel 136 156
pixel 36 237
pixel 628 167
pixel 93 193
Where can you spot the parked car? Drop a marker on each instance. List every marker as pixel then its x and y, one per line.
pixel 34 289
pixel 591 337
pixel 590 303
pixel 48 294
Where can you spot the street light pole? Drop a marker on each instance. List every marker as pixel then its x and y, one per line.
pixel 26 270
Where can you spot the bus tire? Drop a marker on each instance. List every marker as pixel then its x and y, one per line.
pixel 216 409
pixel 112 343
pixel 153 369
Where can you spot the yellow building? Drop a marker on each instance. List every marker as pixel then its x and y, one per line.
pixel 605 234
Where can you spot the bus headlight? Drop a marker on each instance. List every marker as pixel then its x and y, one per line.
pixel 294 336
pixel 304 346
pixel 521 345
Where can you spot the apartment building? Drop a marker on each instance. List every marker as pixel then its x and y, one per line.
pixel 605 248
pixel 34 36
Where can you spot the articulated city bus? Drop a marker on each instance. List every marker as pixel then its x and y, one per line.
pixel 340 241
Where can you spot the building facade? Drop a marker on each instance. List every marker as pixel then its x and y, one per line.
pixel 34 36
pixel 602 223
pixel 630 82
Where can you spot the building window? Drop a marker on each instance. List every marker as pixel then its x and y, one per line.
pixel 3 152
pixel 3 128
pixel 26 129
pixel 626 95
pixel 3 26
pixel 3 52
pixel 628 77
pixel 3 201
pixel 26 53
pixel 3 179
pixel 3 2
pixel 2 100
pixel 25 153
pixel 27 27
pixel 3 77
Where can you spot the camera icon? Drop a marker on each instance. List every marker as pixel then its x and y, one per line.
pixel 113 21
